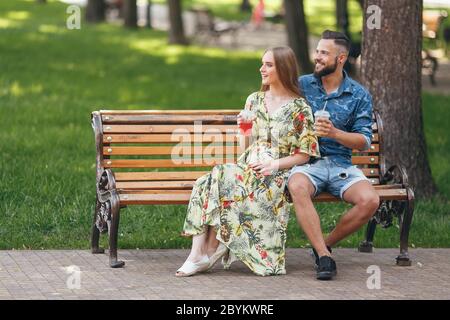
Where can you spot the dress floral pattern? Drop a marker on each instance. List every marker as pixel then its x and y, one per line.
pixel 248 210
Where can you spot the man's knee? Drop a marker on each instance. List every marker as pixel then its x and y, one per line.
pixel 370 202
pixel 300 187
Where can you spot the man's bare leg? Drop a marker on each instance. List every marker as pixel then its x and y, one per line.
pixel 302 190
pixel 365 200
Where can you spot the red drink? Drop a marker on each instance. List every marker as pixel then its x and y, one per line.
pixel 246 128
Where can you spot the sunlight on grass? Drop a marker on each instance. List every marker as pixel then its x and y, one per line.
pixel 18 15
pixel 8 23
pixel 47 28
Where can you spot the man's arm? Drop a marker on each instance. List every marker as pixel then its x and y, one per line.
pixel 325 128
pixel 360 136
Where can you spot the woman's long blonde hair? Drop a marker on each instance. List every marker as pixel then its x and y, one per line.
pixel 287 69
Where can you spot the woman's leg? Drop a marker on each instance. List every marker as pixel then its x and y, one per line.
pixel 197 258
pixel 199 246
pixel 211 242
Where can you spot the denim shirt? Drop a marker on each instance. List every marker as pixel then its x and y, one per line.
pixel 350 109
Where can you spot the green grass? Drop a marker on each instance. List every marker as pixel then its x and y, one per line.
pixel 53 78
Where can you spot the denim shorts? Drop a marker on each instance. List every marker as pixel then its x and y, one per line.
pixel 327 175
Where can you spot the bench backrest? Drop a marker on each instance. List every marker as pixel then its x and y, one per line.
pixel 171 149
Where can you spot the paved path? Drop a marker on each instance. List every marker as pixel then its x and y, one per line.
pixel 148 274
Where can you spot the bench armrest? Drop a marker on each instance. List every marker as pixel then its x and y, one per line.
pixel 395 174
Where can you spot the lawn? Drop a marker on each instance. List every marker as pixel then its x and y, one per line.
pixel 53 78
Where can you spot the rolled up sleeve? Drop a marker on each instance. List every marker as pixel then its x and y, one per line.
pixel 363 119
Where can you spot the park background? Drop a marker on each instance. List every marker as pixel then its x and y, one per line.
pixel 52 78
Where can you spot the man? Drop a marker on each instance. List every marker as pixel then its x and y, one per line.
pixel 349 127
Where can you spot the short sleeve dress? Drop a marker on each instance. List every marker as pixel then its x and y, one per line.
pixel 248 210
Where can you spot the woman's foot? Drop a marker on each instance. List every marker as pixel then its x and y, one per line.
pixel 190 268
pixel 219 253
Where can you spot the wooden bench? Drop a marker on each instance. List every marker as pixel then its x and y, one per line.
pixel 208 27
pixel 431 26
pixel 139 162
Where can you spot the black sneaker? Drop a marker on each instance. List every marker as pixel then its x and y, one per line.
pixel 327 268
pixel 316 256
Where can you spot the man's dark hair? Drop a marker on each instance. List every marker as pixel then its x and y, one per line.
pixel 338 37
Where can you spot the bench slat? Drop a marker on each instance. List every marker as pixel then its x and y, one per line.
pixel 167 150
pixel 175 112
pixel 148 185
pixel 374 148
pixel 162 138
pixel 190 175
pixel 197 150
pixel 174 129
pixel 191 163
pixel 360 160
pixel 172 184
pixel 158 176
pixel 182 197
pixel 168 119
pixel 163 163
pixel 377 187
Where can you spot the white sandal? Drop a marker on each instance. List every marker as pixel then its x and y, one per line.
pixel 220 252
pixel 190 268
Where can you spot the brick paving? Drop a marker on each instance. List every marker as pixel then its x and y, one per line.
pixel 149 274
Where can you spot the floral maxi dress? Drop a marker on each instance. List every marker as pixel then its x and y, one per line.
pixel 250 211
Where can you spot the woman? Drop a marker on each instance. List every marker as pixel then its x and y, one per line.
pixel 240 211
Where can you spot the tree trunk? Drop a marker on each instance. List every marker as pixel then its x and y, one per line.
pixel 361 4
pixel 245 6
pixel 95 11
pixel 149 14
pixel 391 70
pixel 130 13
pixel 176 32
pixel 342 22
pixel 297 32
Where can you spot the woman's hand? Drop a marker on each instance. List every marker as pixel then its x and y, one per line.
pixel 266 168
pixel 239 119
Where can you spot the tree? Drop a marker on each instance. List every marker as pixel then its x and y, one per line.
pixel 342 21
pixel 245 6
pixel 149 14
pixel 391 70
pixel 298 33
pixel 361 3
pixel 130 13
pixel 95 11
pixel 176 31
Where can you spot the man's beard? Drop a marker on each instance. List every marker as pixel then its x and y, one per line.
pixel 327 70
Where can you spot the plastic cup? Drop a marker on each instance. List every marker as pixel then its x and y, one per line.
pixel 246 124
pixel 322 114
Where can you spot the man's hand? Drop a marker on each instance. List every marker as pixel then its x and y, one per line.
pixel 324 128
pixel 266 168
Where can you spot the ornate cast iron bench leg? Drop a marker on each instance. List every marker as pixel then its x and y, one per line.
pixel 114 230
pixel 95 233
pixel 405 220
pixel 107 217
